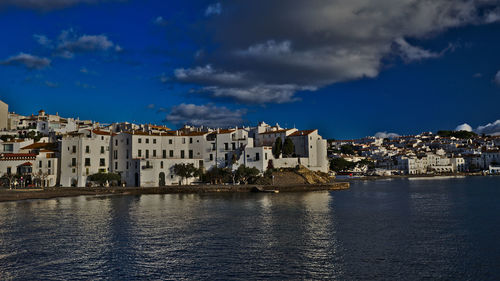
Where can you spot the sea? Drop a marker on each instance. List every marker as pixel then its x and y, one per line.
pixel 399 229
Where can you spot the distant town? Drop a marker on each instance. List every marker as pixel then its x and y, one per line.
pixel 47 150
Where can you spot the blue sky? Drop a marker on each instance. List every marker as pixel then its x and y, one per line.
pixel 349 68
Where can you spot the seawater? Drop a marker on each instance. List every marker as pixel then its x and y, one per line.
pixel 447 229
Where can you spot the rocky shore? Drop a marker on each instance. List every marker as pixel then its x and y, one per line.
pixel 48 193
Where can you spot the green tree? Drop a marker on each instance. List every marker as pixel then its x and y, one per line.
pixel 185 171
pixel 246 174
pixel 340 164
pixel 278 145
pixel 216 175
pixel 347 149
pixel 288 147
pixel 105 177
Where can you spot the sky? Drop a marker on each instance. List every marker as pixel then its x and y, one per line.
pixel 349 68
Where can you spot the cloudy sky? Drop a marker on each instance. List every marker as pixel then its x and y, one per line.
pixel 350 68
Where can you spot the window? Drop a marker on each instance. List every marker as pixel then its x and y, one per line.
pixel 190 140
pixel 127 141
pixel 102 138
pixel 87 162
pixel 115 154
pixel 170 141
pixel 127 154
pixel 147 140
pixel 74 148
pixel 182 153
pixel 211 157
pixel 116 142
pixel 161 164
pixel 226 146
pixel 183 140
pixel 87 149
pixel 39 164
pixel 164 152
pixel 127 165
pixel 139 140
pixel 49 164
pixel 234 145
pixel 265 156
pixel 102 162
pixel 139 153
pixel 147 153
pixel 102 149
pixel 154 141
pixel 190 154
pixel 171 153
pixel 154 152
pixel 257 156
pixel 225 156
pixel 116 165
pixel 73 162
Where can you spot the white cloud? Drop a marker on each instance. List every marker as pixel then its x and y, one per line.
pixel 497 78
pixel 385 135
pixel 492 129
pixel 260 94
pixel 69 43
pixel 205 115
pixel 29 61
pixel 464 127
pixel 43 40
pixel 160 21
pixel 207 74
pixel 214 9
pixel 412 53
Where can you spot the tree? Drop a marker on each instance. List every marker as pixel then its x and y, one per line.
pixel 278 145
pixel 185 171
pixel 216 175
pixel 347 149
pixel 340 164
pixel 105 177
pixel 11 177
pixel 288 147
pixel 246 174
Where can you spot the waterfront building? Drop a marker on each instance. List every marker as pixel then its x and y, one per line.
pixel 4 116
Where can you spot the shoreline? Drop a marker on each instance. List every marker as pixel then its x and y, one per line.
pixel 414 177
pixel 9 195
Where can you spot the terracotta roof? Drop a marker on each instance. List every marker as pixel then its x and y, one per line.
pixel 302 133
pixel 103 133
pixel 18 155
pixel 40 145
pixel 225 131
pixel 275 132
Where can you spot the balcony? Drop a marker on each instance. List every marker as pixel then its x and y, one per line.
pixel 147 167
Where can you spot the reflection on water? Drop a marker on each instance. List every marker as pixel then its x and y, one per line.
pixel 396 229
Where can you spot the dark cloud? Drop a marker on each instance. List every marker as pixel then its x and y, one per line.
pixel 205 115
pixel 27 60
pixel 268 46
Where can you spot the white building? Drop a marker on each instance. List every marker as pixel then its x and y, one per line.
pixel 83 154
pixel 4 115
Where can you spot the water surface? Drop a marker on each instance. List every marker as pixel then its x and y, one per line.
pixel 378 230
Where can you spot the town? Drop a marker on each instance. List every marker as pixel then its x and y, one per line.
pixel 47 150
